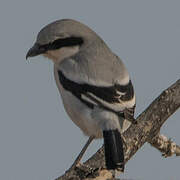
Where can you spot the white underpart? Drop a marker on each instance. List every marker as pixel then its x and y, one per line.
pixel 91 122
pixel 78 112
pixel 105 119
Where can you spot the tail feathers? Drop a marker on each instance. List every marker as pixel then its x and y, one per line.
pixel 114 155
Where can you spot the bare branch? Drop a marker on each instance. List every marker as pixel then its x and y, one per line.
pixel 148 127
pixel 166 146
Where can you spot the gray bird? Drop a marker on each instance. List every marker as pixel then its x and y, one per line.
pixel 94 84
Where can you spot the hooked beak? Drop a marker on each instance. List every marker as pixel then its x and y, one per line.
pixel 35 51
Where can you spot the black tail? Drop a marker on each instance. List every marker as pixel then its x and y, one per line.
pixel 114 154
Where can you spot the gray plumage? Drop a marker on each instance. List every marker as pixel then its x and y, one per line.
pixel 93 82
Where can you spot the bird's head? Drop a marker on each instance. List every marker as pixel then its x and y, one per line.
pixel 61 39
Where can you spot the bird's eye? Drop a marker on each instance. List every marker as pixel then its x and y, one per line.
pixel 43 48
pixel 66 42
pixel 59 43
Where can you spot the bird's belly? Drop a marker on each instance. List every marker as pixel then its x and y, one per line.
pixel 80 114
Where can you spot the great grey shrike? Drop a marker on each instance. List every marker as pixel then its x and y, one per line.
pixel 94 84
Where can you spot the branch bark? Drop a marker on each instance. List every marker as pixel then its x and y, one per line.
pixel 166 146
pixel 146 130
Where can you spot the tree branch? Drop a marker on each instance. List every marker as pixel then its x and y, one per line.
pixel 166 146
pixel 146 130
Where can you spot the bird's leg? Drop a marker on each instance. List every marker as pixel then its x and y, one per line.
pixel 82 152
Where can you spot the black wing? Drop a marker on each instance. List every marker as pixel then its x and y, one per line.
pixel 102 96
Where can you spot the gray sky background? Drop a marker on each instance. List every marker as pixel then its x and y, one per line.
pixel 37 139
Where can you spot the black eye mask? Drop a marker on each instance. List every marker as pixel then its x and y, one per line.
pixel 59 43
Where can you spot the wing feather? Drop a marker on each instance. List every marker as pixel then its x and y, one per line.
pixel 116 98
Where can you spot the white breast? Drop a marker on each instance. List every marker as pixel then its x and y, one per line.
pixel 79 113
